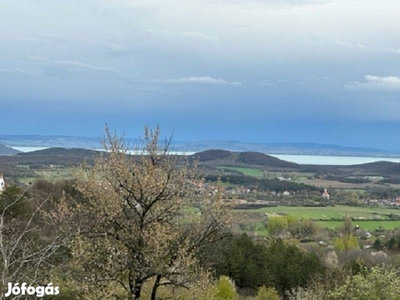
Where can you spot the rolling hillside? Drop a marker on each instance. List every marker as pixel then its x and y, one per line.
pixel 256 159
pixel 210 160
pixel 4 150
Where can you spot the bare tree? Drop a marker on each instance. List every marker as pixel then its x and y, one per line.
pixel 142 220
pixel 26 256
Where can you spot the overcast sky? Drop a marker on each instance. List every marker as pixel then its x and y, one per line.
pixel 262 71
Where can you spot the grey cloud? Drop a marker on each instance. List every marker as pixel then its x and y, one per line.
pixel 73 63
pixel 364 47
pixel 376 83
pixel 279 2
pixel 198 80
pixel 390 50
pixel 38 39
pixel 184 34
pixel 352 45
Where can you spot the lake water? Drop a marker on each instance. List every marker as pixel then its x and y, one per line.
pixel 300 159
pixel 28 149
pixel 332 160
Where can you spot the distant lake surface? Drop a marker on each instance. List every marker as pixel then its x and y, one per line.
pixel 29 149
pixel 299 159
pixel 332 160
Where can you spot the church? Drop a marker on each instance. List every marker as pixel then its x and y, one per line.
pixel 325 194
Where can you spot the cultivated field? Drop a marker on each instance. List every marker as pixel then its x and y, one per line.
pixel 367 225
pixel 329 217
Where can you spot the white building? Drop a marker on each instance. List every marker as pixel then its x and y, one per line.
pixel 2 183
pixel 325 194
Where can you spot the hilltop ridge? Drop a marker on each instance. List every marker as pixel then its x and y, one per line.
pixel 212 158
pixel 217 157
pixel 198 146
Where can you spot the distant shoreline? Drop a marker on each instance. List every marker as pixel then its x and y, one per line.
pixel 332 160
pixel 284 148
pixel 296 158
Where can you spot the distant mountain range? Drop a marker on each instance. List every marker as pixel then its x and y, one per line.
pixel 50 141
pixel 209 160
pixel 197 146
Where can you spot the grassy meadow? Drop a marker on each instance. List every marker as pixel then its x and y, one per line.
pixel 254 172
pixel 329 212
pixel 50 174
pixel 326 217
pixel 368 225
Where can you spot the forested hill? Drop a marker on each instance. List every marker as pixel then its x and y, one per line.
pixel 59 151
pixel 55 156
pixel 224 157
pixel 227 158
pixel 379 167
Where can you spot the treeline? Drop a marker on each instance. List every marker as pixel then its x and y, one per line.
pixel 52 156
pixel 357 180
pixel 381 193
pixel 266 185
pixel 250 264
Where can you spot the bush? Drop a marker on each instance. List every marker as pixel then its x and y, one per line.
pixel 265 293
pixel 225 289
pixel 380 282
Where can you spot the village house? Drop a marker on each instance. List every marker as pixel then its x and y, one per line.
pixel 396 202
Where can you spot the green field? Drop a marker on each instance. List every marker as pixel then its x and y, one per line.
pixel 245 171
pixel 50 174
pixel 325 216
pixel 370 225
pixel 338 211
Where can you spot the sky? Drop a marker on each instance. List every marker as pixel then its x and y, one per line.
pixel 269 71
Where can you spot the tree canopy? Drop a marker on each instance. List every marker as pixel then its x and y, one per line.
pixel 141 220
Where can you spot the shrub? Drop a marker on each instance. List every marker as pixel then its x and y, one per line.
pixel 265 293
pixel 225 289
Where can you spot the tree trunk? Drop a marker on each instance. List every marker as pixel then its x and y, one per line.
pixel 155 287
pixel 135 286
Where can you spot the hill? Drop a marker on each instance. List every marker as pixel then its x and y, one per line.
pixel 216 157
pixel 51 156
pixel 212 162
pixel 59 151
pixel 257 158
pixel 228 158
pixel 213 154
pixel 378 168
pixel 197 146
pixel 4 150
